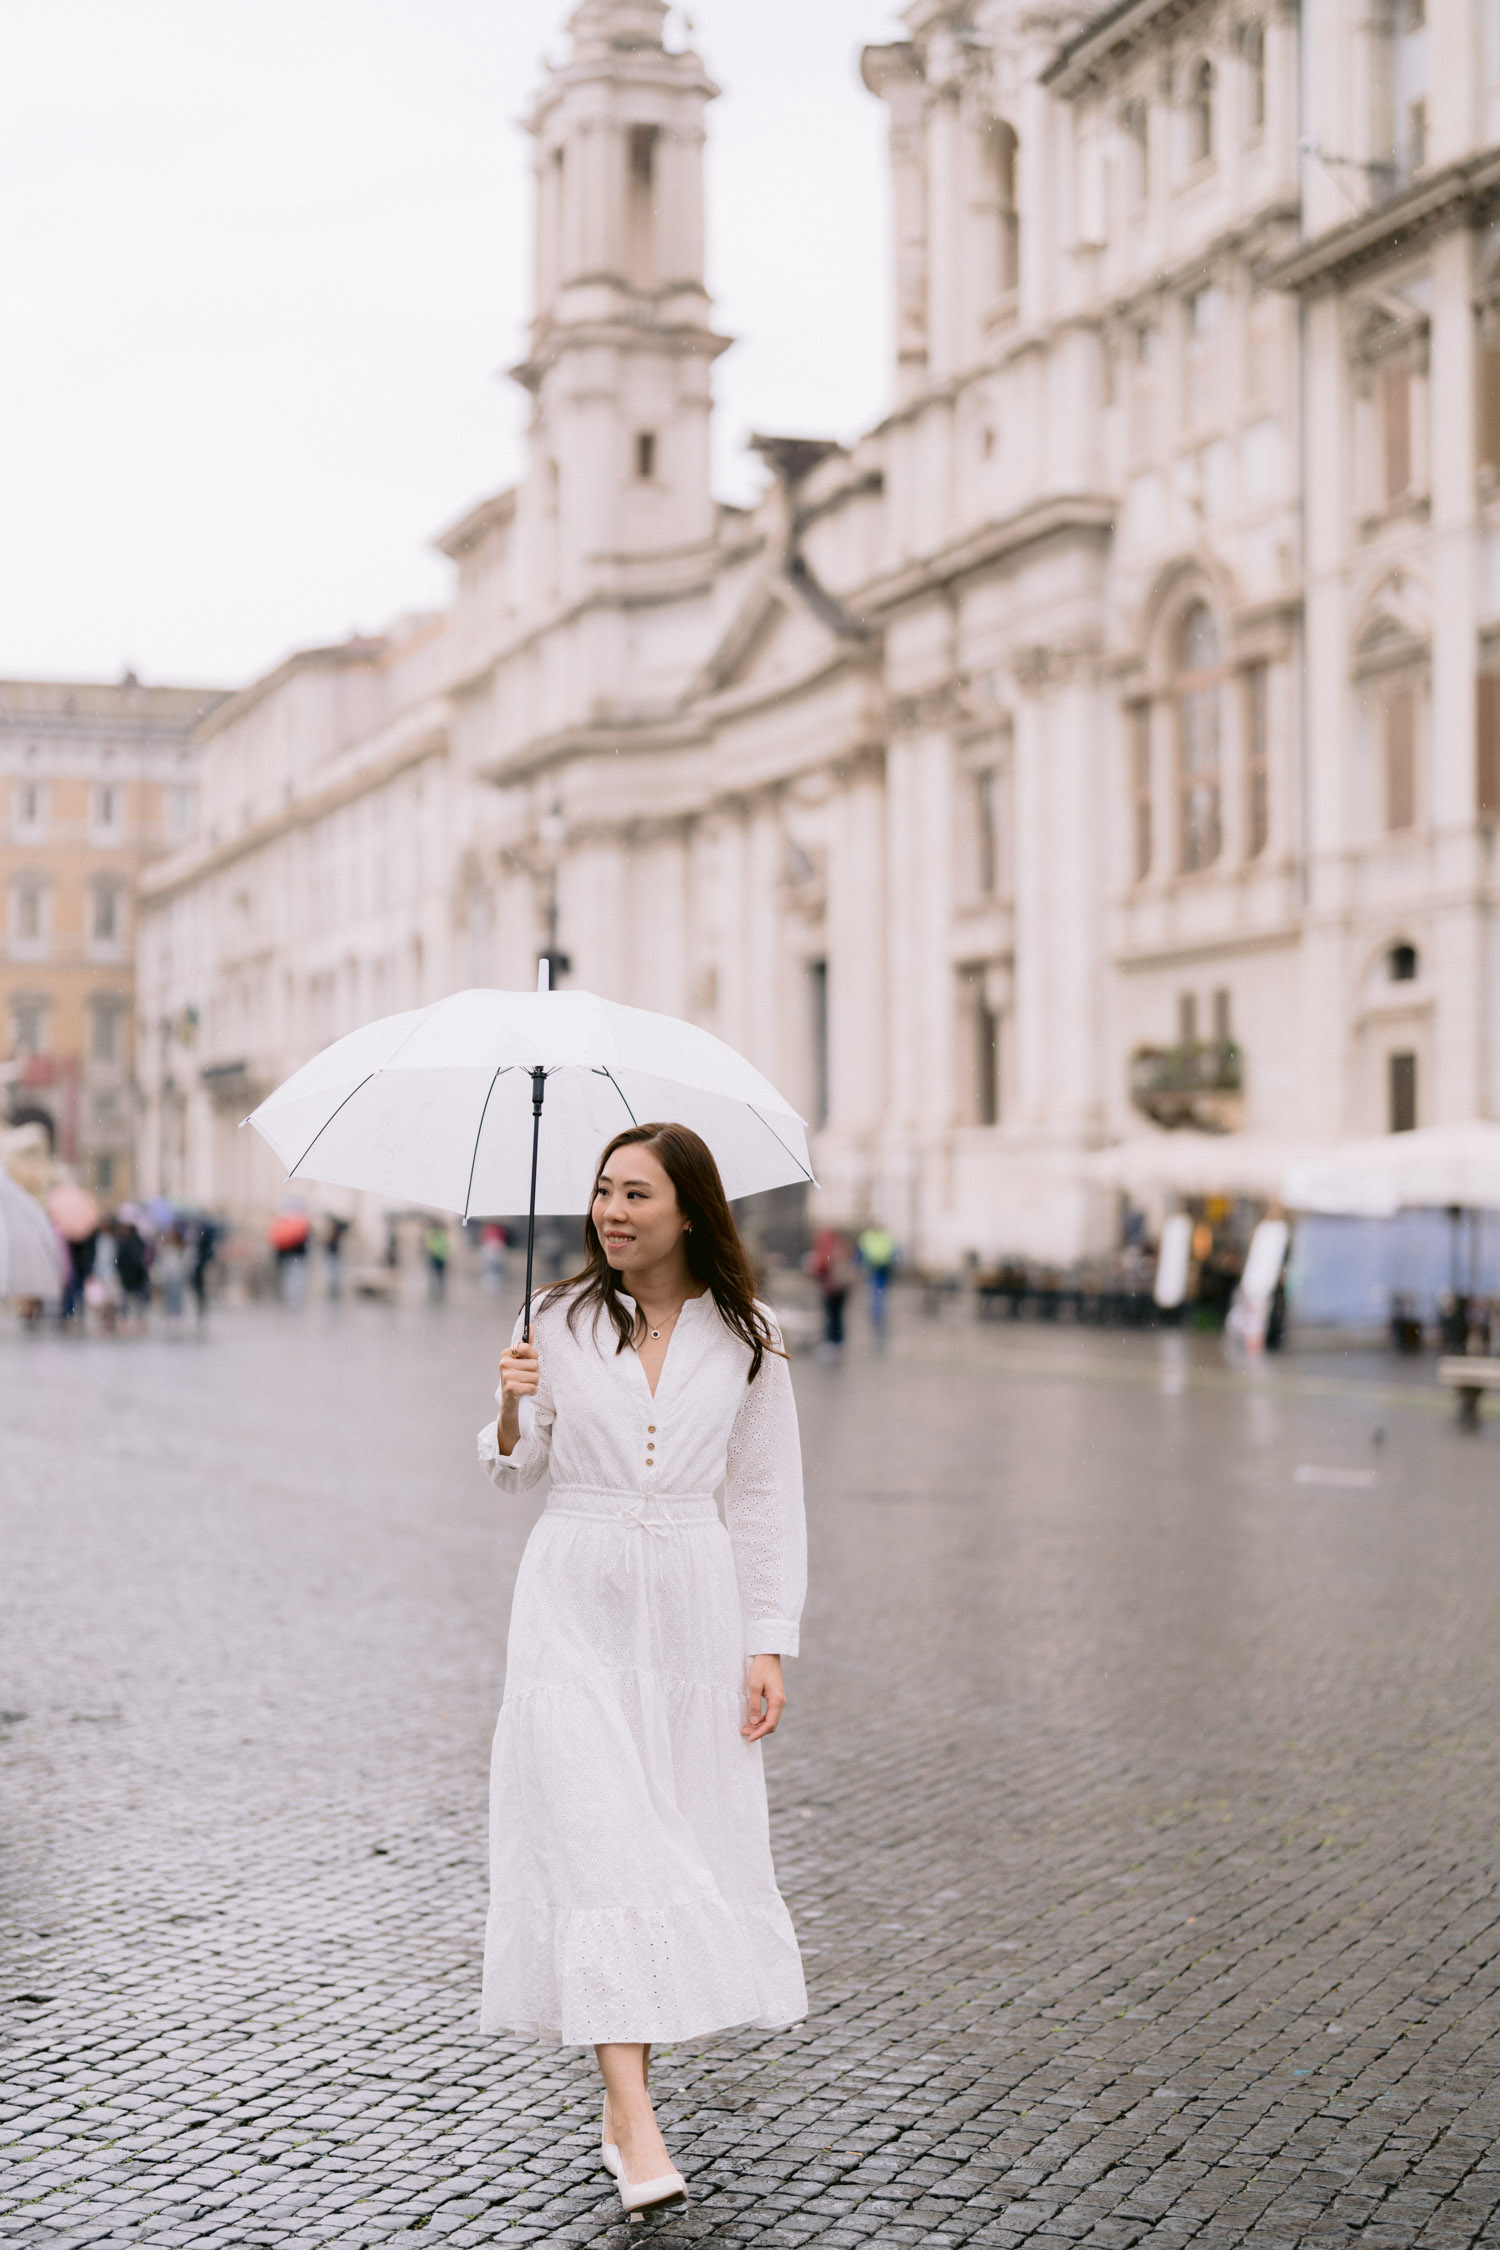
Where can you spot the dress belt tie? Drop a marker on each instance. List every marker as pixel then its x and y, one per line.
pixel 637 1517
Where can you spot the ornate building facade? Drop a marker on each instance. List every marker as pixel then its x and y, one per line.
pixel 1111 734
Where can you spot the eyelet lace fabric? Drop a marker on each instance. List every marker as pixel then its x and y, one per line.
pixel 632 1895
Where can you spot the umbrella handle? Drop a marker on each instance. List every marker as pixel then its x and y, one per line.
pixel 538 1091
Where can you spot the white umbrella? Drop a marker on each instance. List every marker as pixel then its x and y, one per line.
pixel 32 1260
pixel 1438 1167
pixel 442 1105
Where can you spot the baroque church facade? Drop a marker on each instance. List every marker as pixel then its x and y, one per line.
pixel 1109 739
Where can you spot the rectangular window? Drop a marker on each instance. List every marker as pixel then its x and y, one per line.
pixel 1135 124
pixel 987 831
pixel 28 1025
pixel 987 1062
pixel 1402 1092
pixel 1257 761
pixel 1222 1032
pixel 645 455
pixel 106 805
pixel 1205 313
pixel 980 1026
pixel 640 204
pixel 29 913
pixel 817 993
pixel 1487 748
pixel 105 1042
pixel 1143 389
pixel 1398 727
pixel 1395 431
pixel 106 913
pixel 1187 1019
pixel 1138 724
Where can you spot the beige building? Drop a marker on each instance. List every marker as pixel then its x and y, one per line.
pixel 1109 735
pixel 94 780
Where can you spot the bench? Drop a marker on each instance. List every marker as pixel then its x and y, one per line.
pixel 1470 1377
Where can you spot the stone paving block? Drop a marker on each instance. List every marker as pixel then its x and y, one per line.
pixel 1135 1804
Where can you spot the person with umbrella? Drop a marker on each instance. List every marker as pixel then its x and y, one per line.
pixel 632 1893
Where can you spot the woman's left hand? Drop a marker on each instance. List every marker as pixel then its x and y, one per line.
pixel 765 1697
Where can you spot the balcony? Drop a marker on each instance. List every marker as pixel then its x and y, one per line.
pixel 1199 1083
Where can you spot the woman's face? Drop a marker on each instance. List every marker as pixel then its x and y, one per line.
pixel 636 1212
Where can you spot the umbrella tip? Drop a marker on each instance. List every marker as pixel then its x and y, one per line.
pixel 544 974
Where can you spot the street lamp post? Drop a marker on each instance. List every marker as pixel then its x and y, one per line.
pixel 553 830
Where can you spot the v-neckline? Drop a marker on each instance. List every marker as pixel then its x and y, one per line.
pixel 661 1372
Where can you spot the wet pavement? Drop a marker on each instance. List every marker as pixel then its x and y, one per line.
pixel 1137 1805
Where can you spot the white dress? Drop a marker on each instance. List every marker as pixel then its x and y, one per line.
pixel 632 1895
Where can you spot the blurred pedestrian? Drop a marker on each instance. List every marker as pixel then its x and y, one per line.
pixel 333 1257
pixel 169 1272
pixel 493 1243
pixel 133 1264
pixel 81 1255
pixel 831 1265
pixel 205 1250
pixel 102 1290
pixel 289 1234
pixel 877 1254
pixel 437 1244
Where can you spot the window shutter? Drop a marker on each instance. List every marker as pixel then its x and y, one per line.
pixel 1488 387
pixel 1487 747
pixel 1395 417
pixel 1400 758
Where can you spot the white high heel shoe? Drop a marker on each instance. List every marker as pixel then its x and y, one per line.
pixel 651 2195
pixel 609 2155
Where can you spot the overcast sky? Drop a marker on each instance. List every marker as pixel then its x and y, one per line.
pixel 266 260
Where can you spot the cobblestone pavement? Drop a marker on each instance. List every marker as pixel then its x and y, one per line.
pixel 1137 1806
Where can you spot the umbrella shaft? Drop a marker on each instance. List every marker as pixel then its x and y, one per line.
pixel 538 1091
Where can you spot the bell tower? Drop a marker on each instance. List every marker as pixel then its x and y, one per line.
pixel 622 340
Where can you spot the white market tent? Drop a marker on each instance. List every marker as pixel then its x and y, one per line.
pixel 1188 1163
pixel 1437 1167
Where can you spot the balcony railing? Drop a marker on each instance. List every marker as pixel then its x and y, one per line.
pixel 1199 1083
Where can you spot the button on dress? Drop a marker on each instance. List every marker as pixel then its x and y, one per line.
pixel 632 1895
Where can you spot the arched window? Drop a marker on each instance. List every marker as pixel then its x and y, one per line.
pixel 1200 112
pixel 1199 695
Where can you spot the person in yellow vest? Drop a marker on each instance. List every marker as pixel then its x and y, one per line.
pixel 877 1254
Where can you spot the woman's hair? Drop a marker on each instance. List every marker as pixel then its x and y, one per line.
pixel 715 1253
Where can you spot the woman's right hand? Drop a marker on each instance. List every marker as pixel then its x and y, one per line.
pixel 520 1375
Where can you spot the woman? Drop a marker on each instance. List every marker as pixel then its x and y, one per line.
pixel 632 1894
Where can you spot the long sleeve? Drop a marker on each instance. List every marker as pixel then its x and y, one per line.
pixel 763 1509
pixel 526 1464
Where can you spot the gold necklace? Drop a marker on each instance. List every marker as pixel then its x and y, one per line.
pixel 656 1332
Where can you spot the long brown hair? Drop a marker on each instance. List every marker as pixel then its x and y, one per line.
pixel 715 1254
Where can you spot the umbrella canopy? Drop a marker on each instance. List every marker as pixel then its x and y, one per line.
pixel 1189 1163
pixel 74 1212
pixel 1438 1166
pixel 32 1260
pixel 435 1106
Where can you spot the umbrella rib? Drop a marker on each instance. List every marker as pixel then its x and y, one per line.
pixel 606 1072
pixel 781 1144
pixel 479 1130
pixel 322 1129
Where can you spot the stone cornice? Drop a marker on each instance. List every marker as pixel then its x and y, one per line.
pixel 421 734
pixel 1062 515
pixel 1111 40
pixel 1451 196
pixel 470 528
